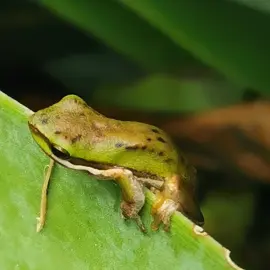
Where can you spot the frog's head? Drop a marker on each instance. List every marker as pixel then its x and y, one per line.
pixel 53 127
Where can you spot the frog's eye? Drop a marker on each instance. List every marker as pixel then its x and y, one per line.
pixel 60 152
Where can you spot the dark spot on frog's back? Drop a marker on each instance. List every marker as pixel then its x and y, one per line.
pixel 160 139
pixel 161 154
pixel 149 139
pixel 155 130
pixel 57 132
pixel 76 139
pixel 44 121
pixel 132 147
pixel 119 144
pixel 169 160
pixel 136 147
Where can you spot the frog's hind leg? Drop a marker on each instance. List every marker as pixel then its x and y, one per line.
pixel 166 203
pixel 163 214
pixel 132 192
pixel 176 195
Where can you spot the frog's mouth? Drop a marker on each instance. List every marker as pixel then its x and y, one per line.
pixel 40 139
pixel 62 156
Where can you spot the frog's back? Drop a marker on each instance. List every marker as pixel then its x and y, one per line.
pixel 133 145
pixel 141 147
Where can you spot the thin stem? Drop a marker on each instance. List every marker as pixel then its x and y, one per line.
pixel 43 203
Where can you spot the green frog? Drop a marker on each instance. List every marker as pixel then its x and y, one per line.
pixel 135 155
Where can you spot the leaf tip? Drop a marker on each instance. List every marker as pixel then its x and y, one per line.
pixel 199 230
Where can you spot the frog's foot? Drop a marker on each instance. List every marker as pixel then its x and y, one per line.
pixel 132 192
pixel 130 211
pixel 162 214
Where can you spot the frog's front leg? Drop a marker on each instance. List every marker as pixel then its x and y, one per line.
pixel 132 189
pixel 132 192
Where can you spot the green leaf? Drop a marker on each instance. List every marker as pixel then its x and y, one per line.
pixel 170 94
pixel 122 30
pixel 260 5
pixel 227 36
pixel 84 229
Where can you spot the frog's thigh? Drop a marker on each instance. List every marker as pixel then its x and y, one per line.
pixel 132 191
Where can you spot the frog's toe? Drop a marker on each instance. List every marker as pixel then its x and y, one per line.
pixel 163 214
pixel 130 211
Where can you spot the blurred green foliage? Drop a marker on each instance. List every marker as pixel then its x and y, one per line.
pixel 165 55
pixel 167 35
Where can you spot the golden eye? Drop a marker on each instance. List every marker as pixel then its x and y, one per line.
pixel 60 152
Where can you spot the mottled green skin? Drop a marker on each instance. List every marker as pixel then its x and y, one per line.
pixel 86 134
